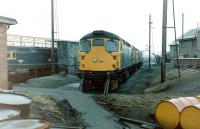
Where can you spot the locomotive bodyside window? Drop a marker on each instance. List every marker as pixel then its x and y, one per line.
pixel 98 42
pixel 85 46
pixel 121 46
pixel 111 46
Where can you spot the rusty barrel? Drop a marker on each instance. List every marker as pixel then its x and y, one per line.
pixel 25 124
pixel 9 114
pixel 190 117
pixel 168 111
pixel 17 101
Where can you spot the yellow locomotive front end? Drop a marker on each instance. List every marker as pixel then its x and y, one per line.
pixel 105 61
pixel 99 54
pixel 99 61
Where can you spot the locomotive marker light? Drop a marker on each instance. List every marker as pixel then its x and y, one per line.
pixel 94 60
pixel 100 59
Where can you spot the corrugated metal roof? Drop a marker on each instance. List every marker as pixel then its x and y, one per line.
pixel 191 34
pixel 7 20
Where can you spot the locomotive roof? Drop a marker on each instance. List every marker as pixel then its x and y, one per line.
pixel 103 34
pixel 100 34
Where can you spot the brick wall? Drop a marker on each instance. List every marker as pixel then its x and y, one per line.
pixel 187 62
pixel 3 57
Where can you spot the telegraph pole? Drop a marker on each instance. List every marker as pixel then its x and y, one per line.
pixel 164 40
pixel 182 25
pixel 177 60
pixel 52 38
pixel 150 41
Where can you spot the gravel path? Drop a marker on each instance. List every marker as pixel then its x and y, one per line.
pixel 93 114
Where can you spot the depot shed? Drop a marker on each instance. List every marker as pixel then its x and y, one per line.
pixel 67 52
pixel 188 49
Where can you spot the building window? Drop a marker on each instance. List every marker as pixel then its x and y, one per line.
pixel 11 55
pixel 194 44
pixel 182 46
pixel 186 56
pixel 14 55
pixel 8 55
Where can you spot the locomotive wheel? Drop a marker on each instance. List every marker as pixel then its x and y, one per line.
pixel 87 85
pixel 99 84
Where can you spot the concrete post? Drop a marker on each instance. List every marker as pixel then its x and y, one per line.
pixel 3 57
pixel 150 22
pixel 164 40
pixel 4 25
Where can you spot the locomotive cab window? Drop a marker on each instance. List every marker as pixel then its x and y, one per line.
pixel 85 46
pixel 98 42
pixel 111 46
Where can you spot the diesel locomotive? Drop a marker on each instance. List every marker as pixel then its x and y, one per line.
pixel 105 61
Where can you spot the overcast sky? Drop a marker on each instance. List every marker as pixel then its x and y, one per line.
pixel 126 18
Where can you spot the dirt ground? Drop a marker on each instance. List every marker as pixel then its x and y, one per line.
pixel 58 99
pixel 65 105
pixel 145 92
pixel 59 113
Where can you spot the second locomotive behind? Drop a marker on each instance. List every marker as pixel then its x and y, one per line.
pixel 105 59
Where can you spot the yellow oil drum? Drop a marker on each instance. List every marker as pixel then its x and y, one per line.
pixel 9 114
pixel 168 111
pixel 190 117
pixel 17 101
pixel 198 97
pixel 25 124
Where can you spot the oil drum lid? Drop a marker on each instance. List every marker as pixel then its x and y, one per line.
pixel 167 114
pixel 13 99
pixel 25 124
pixel 6 114
pixel 190 117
